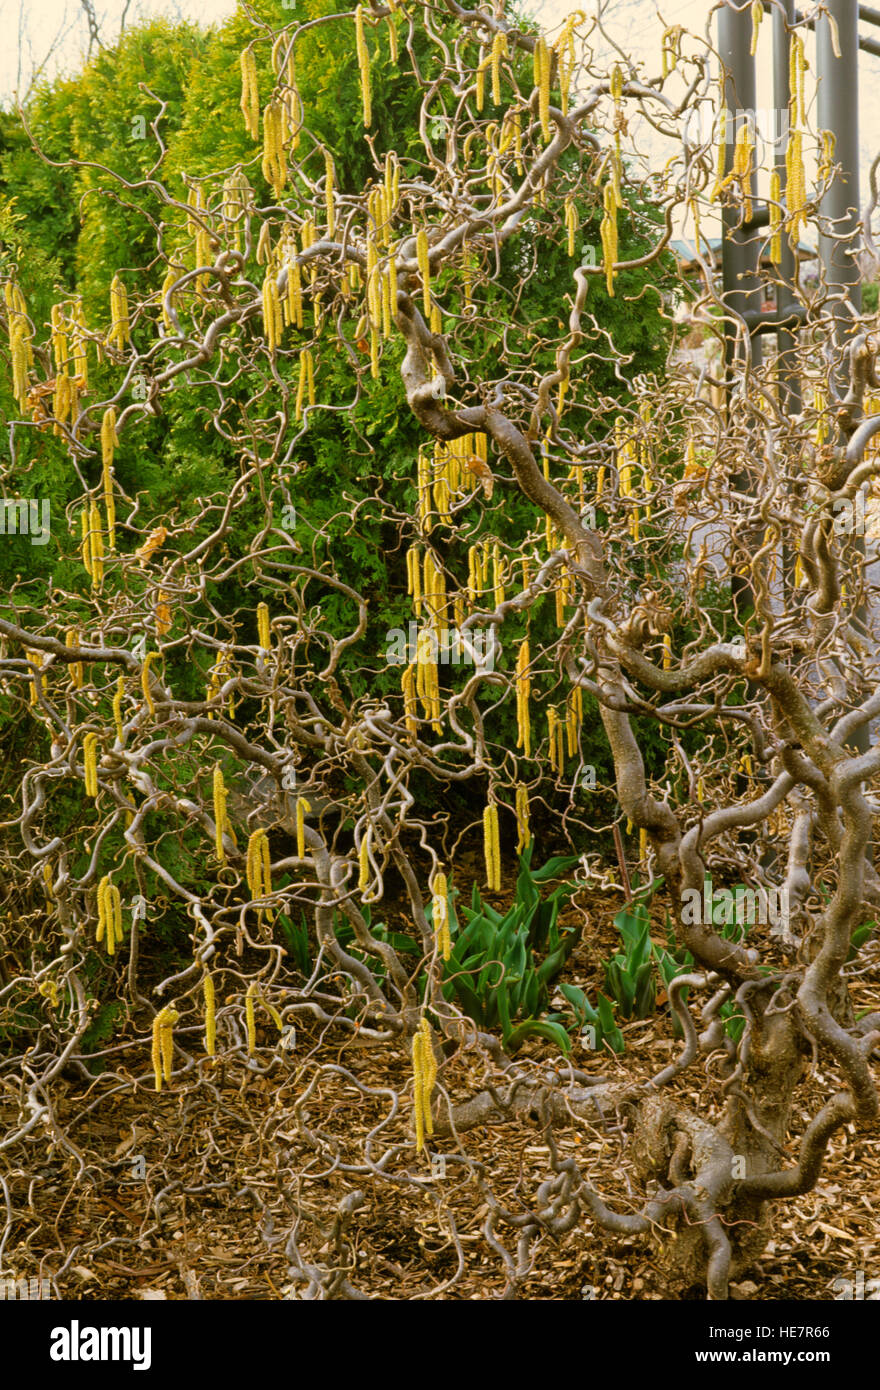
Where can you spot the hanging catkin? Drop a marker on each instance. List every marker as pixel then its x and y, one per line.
pixel 491 847
pixel 363 56
pixel 120 327
pixel 250 94
pixel 424 1078
pixel 542 82
pixel 219 789
pixel 109 442
pixel 523 691
pixel 524 834
pixel 210 1014
pixel 440 914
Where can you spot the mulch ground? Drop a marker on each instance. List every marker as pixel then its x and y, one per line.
pixel 226 1166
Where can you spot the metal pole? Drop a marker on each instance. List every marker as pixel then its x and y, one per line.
pixel 787 375
pixel 865 12
pixel 741 284
pixel 739 251
pixel 839 112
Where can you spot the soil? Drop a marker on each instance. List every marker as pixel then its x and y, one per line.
pixel 193 1193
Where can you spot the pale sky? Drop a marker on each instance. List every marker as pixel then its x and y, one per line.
pixel 52 35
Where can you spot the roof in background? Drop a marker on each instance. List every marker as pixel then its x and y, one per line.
pixel 686 251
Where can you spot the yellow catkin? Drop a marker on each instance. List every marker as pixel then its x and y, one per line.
pixel 424 268
pixel 363 56
pixel 210 1014
pixel 757 16
pixel 414 579
pixel 60 347
pixel 667 56
pixel 721 152
pixel 392 38
pixel 364 862
pixel 120 326
pixel 329 200
pixel 263 631
pixel 826 161
pixel 440 914
pixel 113 916
pixel 219 789
pixel 163 1044
pixel 164 615
pixel 571 224
pixel 608 232
pixel 156 1051
pixel 93 545
pixel 254 862
pixel 573 719
pixel 109 442
pixel 274 162
pixel 77 673
pixel 172 275
pixel 491 847
pixel 424 1078
pixel 523 691
pixel 796 69
pixel 795 185
pixel 145 681
pixel 302 810
pixel 90 762
pixel 272 316
pixel 102 930
pixel 480 83
pixel 742 164
pixel 418 1062
pixel 775 218
pixel 499 51
pixel 264 245
pixel 551 736
pixel 18 349
pixel 524 834
pixel 117 707
pixel 497 585
pixel 294 294
pixel 250 94
pixel 429 1074
pixel 250 1017
pixel 36 683
pixel 20 346
pixel 410 699
pixel 542 82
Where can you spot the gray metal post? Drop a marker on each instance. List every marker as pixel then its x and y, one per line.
pixel 741 283
pixel 739 249
pixel 839 112
pixel 787 375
